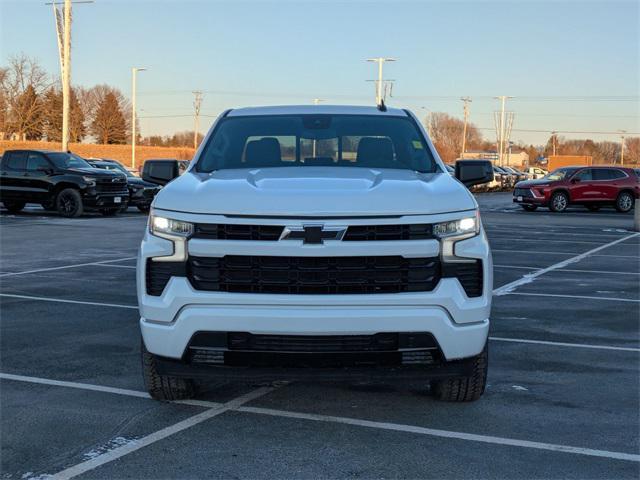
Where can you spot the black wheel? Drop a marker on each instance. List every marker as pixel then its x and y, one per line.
pixel 559 202
pixel 144 208
pixel 624 202
pixel 69 203
pixel 110 212
pixel 14 206
pixel 162 387
pixel 530 208
pixel 464 389
pixel 593 208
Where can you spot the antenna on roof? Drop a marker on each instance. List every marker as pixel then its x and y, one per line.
pixel 381 106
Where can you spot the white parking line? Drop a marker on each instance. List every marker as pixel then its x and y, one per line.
pixel 518 267
pixel 443 433
pixel 564 344
pixel 38 270
pixel 63 300
pixel 533 252
pixel 154 437
pixel 590 234
pixel 509 287
pixel 82 386
pixel 236 404
pixel 536 240
pixel 114 266
pixel 586 297
pixel 608 272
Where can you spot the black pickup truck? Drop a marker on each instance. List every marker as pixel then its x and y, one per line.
pixel 59 181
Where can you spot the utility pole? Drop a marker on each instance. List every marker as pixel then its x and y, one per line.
pixel 66 77
pixel 466 101
pixel 64 56
pixel 553 142
pixel 379 82
pixel 197 101
pixel 502 128
pixel 134 74
pixel 623 132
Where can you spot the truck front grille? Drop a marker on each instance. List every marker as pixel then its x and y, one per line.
pixel 313 275
pixel 112 187
pixel 420 231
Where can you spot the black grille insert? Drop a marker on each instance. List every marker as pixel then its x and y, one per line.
pixel 238 232
pixel 313 275
pixel 468 273
pixel 112 187
pixel 388 232
pixel 522 192
pixel 158 274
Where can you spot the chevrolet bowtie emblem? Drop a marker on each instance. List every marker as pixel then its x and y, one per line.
pixel 313 234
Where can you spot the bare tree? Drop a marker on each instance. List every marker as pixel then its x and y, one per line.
pixel 22 83
pixel 446 134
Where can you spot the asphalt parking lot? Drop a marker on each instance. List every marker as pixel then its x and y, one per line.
pixel 562 401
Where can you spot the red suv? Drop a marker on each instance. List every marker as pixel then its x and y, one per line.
pixel 592 187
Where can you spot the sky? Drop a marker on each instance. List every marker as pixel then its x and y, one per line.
pixel 570 66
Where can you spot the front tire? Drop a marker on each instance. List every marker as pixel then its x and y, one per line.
pixel 559 202
pixel 69 203
pixel 162 387
pixel 464 389
pixel 529 208
pixel 14 206
pixel 624 202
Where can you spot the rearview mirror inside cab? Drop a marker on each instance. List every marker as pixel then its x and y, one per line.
pixel 160 171
pixel 474 172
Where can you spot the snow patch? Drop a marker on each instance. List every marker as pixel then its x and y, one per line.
pixel 107 447
pixel 520 388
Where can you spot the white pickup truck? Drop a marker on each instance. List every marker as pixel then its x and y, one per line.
pixel 320 243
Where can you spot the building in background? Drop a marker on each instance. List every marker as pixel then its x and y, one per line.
pixel 514 157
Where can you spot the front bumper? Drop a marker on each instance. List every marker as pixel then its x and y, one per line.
pixel 142 197
pixel 105 200
pixel 459 323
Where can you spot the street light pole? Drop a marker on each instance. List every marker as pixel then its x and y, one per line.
pixel 466 101
pixel 379 82
pixel 622 146
pixel 134 74
pixel 502 125
pixel 66 75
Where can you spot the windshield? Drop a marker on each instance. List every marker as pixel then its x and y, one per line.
pixel 317 140
pixel 68 160
pixel 560 173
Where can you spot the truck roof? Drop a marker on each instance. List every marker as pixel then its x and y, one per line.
pixel 316 109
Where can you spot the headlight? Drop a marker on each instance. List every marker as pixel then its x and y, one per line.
pixel 162 226
pixel 89 181
pixel 454 228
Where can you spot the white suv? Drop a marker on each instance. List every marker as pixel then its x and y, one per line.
pixel 316 242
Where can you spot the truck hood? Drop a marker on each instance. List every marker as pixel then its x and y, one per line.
pixel 315 191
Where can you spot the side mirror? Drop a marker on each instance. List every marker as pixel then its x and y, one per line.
pixel 575 180
pixel 160 172
pixel 474 172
